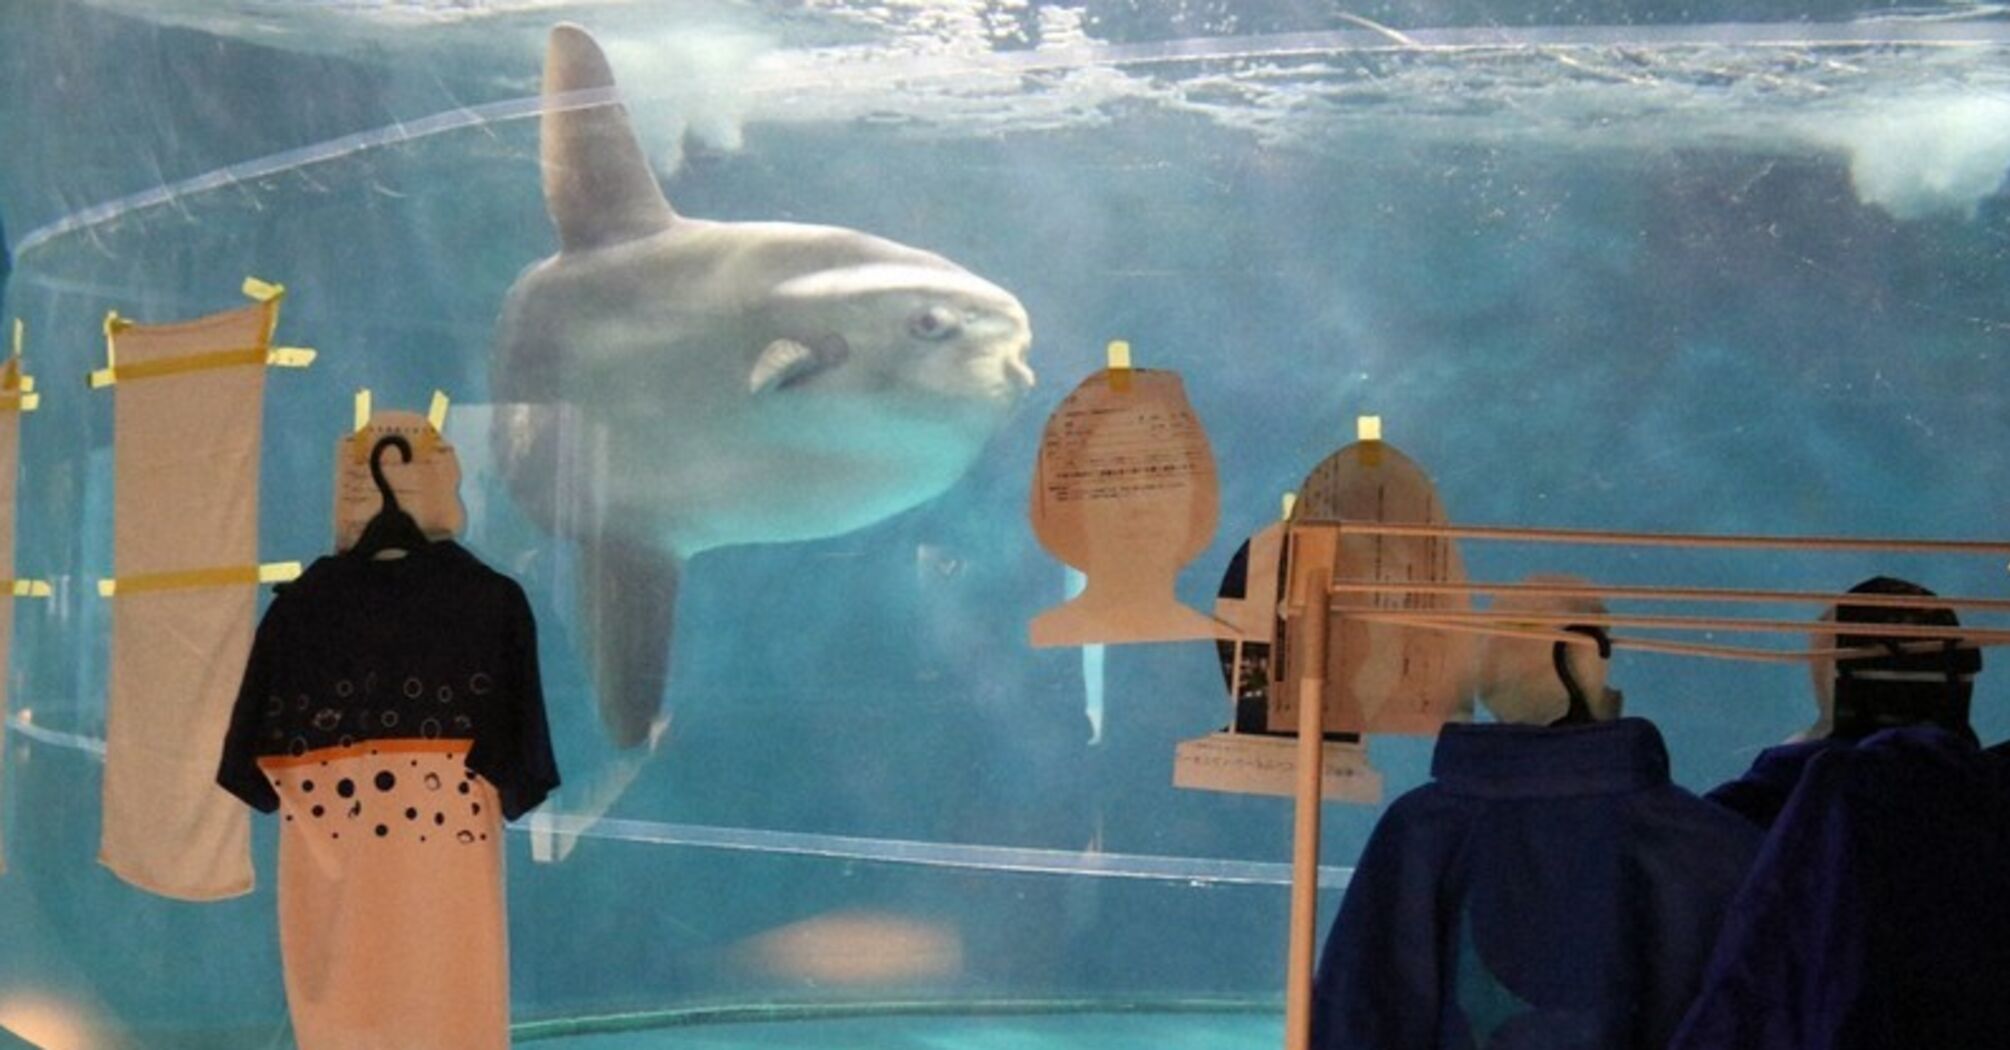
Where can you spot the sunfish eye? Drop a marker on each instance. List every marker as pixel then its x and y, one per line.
pixel 934 323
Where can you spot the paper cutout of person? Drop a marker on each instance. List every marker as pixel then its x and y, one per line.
pixel 1248 603
pixel 1381 678
pixel 1125 491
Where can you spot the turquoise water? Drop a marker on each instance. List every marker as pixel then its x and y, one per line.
pixel 1109 1031
pixel 1607 270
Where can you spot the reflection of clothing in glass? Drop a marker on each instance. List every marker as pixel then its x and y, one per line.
pixel 1550 888
pixel 392 713
pixel 1876 915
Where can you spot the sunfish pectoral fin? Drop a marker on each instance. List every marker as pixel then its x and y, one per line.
pixel 785 361
pixel 780 361
pixel 628 611
pixel 597 185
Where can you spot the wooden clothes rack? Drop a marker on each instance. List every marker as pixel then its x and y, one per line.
pixel 1311 620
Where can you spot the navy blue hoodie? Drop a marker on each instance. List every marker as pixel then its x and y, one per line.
pixel 1876 914
pixel 1551 888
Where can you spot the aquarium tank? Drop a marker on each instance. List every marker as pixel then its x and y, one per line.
pixel 1734 267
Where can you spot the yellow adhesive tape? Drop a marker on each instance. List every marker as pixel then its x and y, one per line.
pixel 287 357
pixel 1290 503
pixel 263 291
pixel 436 414
pixel 1118 354
pixel 32 589
pixel 1368 430
pixel 172 366
pixel 11 379
pixel 114 324
pixel 362 410
pixel 17 380
pixel 274 572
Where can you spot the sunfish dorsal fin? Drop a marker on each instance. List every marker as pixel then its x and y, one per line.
pixel 597 185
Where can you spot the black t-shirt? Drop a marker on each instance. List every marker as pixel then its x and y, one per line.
pixel 434 645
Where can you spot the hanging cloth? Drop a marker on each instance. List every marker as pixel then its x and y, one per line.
pixel 189 398
pixel 10 439
pixel 1874 916
pixel 12 402
pixel 392 715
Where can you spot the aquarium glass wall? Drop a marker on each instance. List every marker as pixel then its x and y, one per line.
pixel 1733 268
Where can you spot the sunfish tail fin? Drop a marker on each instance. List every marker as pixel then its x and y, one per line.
pixel 628 611
pixel 598 187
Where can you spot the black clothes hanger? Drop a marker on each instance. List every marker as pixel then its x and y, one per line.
pixel 1579 711
pixel 392 528
pixel 1900 687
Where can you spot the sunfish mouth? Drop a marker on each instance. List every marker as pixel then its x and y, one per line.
pixel 1017 372
pixel 785 362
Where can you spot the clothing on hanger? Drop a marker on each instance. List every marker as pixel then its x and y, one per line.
pixel 391 712
pixel 1875 915
pixel 392 530
pixel 1872 689
pixel 1549 888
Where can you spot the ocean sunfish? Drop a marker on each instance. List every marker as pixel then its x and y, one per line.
pixel 666 385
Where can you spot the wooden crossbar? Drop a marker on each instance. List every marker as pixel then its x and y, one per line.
pixel 1726 595
pixel 1971 635
pixel 1645 645
pixel 1600 537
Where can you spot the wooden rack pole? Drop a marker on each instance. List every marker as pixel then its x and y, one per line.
pixel 1968 635
pixel 1666 539
pixel 1676 594
pixel 1305 830
pixel 1315 619
pixel 1741 653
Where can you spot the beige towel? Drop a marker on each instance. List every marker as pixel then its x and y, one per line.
pixel 10 460
pixel 186 445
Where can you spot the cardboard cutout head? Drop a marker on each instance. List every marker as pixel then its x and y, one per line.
pixel 1381 678
pixel 1519 681
pixel 428 488
pixel 1125 491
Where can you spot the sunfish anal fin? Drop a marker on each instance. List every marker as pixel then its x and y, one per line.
pixel 628 611
pixel 598 187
